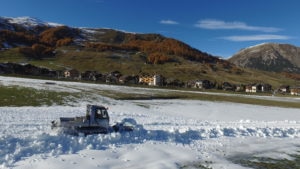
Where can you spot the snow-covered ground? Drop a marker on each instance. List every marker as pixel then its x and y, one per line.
pixel 170 133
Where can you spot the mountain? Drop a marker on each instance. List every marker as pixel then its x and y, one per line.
pixel 37 39
pixel 26 31
pixel 269 57
pixel 60 47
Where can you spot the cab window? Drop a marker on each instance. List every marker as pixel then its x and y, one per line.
pixel 101 113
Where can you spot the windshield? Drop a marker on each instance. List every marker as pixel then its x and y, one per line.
pixel 101 113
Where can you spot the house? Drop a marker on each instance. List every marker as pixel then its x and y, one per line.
pixel 111 79
pixel 48 73
pixel 4 69
pixel 60 74
pixel 151 80
pixel 128 79
pixel 284 89
pixel 189 84
pixel 266 87
pixel 248 88
pixel 15 68
pixel 258 87
pixel 171 82
pixel 116 74
pixel 90 75
pixel 227 86
pixel 100 77
pixel 72 74
pixel 295 91
pixel 29 69
pixel 203 84
pixel 240 88
pixel 157 81
pixel 26 69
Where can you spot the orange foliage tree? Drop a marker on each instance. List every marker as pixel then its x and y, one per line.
pixel 53 35
pixel 110 47
pixel 64 42
pixel 168 46
pixel 157 58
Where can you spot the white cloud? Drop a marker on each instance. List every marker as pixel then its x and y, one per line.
pixel 168 22
pixel 262 37
pixel 219 24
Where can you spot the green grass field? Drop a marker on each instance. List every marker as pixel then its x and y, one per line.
pixel 20 96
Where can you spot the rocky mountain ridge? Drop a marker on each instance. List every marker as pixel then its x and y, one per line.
pixel 269 57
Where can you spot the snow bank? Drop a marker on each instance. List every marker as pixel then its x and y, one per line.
pixel 162 126
pixel 170 133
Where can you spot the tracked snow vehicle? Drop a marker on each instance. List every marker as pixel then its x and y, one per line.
pixel 95 121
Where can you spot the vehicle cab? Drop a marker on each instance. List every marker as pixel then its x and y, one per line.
pixel 97 114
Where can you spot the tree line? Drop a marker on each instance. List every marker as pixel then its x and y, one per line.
pixel 41 45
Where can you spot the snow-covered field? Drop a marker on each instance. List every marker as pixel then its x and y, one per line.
pixel 170 133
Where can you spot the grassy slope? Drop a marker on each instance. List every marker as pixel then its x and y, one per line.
pixel 134 63
pixel 12 55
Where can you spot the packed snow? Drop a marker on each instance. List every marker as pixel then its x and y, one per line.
pixel 169 133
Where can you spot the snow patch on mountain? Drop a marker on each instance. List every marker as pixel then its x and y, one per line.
pixel 254 46
pixel 29 22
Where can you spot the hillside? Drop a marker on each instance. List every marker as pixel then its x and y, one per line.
pixel 27 33
pixel 58 47
pixel 269 57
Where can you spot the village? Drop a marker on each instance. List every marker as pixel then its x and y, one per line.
pixel 116 77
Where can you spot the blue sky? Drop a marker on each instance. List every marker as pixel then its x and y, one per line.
pixel 218 27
